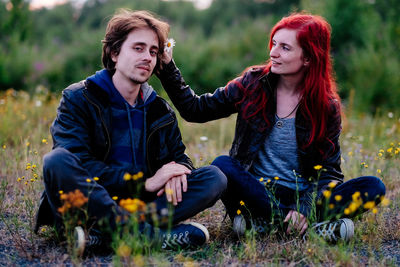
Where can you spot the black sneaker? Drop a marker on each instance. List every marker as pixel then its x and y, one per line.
pixel 240 225
pixel 184 236
pixel 342 229
pixel 83 242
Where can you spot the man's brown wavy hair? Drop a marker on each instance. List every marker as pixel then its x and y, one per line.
pixel 121 24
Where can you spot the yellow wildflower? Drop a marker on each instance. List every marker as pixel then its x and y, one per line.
pixel 365 165
pixel 4 146
pixel 346 211
pixel 261 179
pixel 327 193
pixel 389 150
pixel 127 176
pixel 380 154
pixel 356 196
pixel 381 151
pixel 269 180
pixel 391 144
pixel 241 203
pixel 379 171
pixel 353 207
pixel 43 229
pixel 338 198
pixel 238 212
pixel 88 180
pixel 19 179
pixel 32 180
pixel 139 175
pixel 132 205
pixel 139 261
pixel 332 184
pixel 331 206
pixel 369 205
pixel 96 178
pixel 385 201
pixel 35 175
pixel 61 192
pixel 350 153
pixel 114 198
pixel 124 250
pixel 33 166
pixel 44 141
pixel 375 210
pixel 26 183
pixel 276 178
pixel 318 167
pixel 28 144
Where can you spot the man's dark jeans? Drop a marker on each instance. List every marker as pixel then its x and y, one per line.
pixel 62 171
pixel 273 202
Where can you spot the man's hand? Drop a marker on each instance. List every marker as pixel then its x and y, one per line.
pixel 174 188
pixel 163 176
pixel 296 222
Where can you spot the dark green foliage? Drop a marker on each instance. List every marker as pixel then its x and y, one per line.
pixel 59 46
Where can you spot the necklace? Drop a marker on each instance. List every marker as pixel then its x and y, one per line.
pixel 279 121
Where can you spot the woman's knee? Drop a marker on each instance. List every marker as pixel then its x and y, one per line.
pixel 378 185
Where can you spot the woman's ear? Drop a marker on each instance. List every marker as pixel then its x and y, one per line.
pixel 306 61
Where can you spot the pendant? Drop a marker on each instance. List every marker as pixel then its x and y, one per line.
pixel 279 123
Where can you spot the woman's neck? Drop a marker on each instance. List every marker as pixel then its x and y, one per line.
pixel 288 84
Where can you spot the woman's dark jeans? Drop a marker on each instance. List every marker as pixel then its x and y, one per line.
pixel 274 201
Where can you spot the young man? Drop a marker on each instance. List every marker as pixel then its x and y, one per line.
pixel 113 123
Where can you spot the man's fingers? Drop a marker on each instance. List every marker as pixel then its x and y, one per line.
pixel 184 183
pixel 175 191
pixel 178 188
pixel 160 192
pixel 168 191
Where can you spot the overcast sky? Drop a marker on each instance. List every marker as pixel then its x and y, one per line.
pixel 201 4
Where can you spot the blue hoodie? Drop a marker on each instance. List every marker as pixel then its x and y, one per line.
pixel 128 142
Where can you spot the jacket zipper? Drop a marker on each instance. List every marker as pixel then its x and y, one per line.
pixel 104 125
pixel 147 142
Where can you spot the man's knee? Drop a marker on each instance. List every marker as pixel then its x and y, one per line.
pixel 57 164
pixel 212 179
pixel 377 185
pixel 56 158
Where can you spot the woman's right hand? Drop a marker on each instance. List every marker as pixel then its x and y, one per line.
pixel 166 57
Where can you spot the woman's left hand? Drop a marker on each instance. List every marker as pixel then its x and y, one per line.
pixel 296 222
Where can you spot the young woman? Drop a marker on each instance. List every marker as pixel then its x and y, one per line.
pixel 284 164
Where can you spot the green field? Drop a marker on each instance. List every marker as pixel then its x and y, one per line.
pixel 370 146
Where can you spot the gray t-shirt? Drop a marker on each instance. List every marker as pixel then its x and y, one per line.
pixel 278 156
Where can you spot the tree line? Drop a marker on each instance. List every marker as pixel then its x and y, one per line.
pixel 58 46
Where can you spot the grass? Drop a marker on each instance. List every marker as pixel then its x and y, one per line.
pixel 370 146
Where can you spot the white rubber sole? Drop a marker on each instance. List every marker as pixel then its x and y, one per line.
pixel 201 227
pixel 79 236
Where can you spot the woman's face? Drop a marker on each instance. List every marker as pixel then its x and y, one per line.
pixel 286 54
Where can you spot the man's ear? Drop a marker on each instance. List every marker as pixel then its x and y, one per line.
pixel 114 56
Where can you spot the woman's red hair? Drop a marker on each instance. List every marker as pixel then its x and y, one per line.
pixel 318 87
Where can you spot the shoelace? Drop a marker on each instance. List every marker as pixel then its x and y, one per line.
pixel 327 230
pixel 94 240
pixel 176 240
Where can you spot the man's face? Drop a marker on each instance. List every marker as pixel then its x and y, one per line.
pixel 137 57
